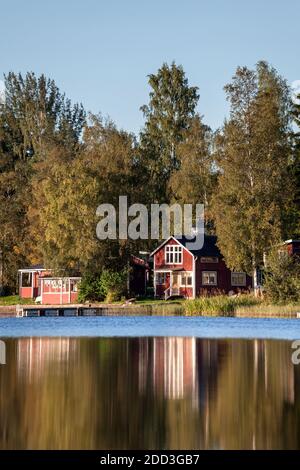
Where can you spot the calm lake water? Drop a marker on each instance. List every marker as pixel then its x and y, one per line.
pixel 149 383
pixel 140 326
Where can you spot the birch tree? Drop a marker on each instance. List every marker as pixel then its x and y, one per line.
pixel 296 162
pixel 168 115
pixel 253 153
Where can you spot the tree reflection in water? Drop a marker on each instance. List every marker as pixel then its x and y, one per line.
pixel 148 393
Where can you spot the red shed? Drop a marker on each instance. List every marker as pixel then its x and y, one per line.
pixel 179 271
pixel 36 282
pixel 29 281
pixel 59 290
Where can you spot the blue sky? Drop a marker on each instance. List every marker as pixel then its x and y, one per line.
pixel 100 52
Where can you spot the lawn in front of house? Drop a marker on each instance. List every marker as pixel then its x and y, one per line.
pixel 15 300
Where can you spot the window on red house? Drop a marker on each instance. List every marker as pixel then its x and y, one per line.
pixel 73 285
pixel 161 278
pixel 209 278
pixel 173 254
pixel 26 279
pixel 238 279
pixel 209 259
pixel 186 280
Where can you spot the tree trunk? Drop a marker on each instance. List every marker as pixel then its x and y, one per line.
pixel 255 282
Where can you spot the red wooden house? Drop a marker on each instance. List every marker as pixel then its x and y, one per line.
pixel 36 282
pixel 179 271
pixel 292 247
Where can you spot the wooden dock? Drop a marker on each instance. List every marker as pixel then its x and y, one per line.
pixel 78 310
pixel 56 311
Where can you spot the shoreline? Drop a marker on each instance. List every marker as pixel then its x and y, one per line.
pixel 165 309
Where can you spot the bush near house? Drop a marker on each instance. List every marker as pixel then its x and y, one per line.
pixel 110 286
pixel 282 278
pixel 90 289
pixel 114 284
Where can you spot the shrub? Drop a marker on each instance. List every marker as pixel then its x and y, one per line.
pixel 110 286
pixel 150 292
pixel 114 284
pixel 90 288
pixel 282 278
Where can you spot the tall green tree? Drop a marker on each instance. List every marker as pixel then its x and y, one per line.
pixel 68 191
pixel 34 116
pixel 253 153
pixel 282 277
pixel 196 177
pixel 296 163
pixel 61 215
pixel 13 212
pixel 168 115
pixel 37 114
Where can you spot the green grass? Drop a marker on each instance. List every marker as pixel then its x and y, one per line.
pixel 265 309
pixel 219 305
pixel 243 305
pixel 14 300
pixel 158 301
pixel 148 307
pixel 145 301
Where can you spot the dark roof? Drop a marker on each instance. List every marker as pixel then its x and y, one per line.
pixel 209 248
pixel 138 261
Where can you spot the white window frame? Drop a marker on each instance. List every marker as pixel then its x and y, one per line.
pixel 209 259
pixel 29 279
pixel 161 273
pixel 210 284
pixel 235 284
pixel 185 275
pixel 173 250
pixel 73 286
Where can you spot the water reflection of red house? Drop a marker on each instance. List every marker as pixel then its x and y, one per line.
pixel 173 366
pixel 211 354
pixel 181 367
pixel 35 354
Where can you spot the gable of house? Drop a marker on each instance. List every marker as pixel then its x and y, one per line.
pixel 172 255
